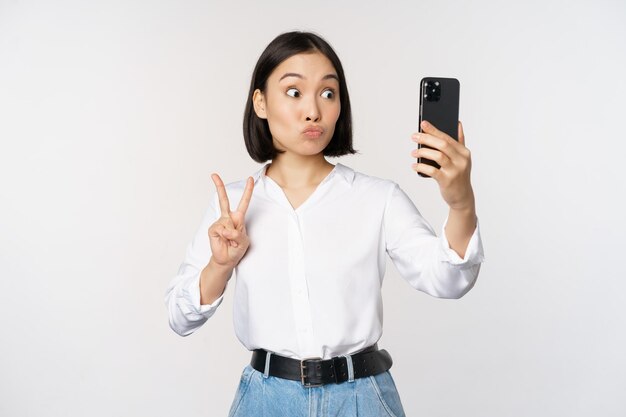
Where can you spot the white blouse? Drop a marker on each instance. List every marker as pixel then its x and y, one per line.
pixel 310 283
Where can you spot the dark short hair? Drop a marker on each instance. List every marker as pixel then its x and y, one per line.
pixel 256 131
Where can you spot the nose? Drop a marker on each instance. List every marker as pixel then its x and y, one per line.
pixel 312 110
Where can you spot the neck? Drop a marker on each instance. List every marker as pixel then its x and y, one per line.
pixel 298 172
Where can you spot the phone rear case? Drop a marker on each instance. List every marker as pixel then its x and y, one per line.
pixel 439 105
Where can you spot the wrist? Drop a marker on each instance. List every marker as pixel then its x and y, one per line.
pixel 462 215
pixel 465 212
pixel 213 280
pixel 463 200
pixel 218 267
pixel 465 207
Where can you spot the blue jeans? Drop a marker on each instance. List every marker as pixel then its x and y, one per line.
pixel 261 395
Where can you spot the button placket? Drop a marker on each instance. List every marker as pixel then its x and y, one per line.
pixel 298 284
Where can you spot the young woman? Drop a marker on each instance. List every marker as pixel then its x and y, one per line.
pixel 308 242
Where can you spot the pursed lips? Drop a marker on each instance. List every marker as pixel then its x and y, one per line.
pixel 313 132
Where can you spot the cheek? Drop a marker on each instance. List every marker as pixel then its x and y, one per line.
pixel 334 112
pixel 333 115
pixel 282 114
pixel 275 121
pixel 281 121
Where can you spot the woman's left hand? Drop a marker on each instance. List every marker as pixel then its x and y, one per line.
pixel 455 160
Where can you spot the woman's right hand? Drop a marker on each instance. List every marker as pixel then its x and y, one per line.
pixel 227 236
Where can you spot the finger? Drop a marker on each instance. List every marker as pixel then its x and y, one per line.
pixel 432 130
pixel 432 154
pixel 232 234
pixel 221 194
pixel 235 238
pixel 247 195
pixel 447 146
pixel 218 231
pixel 426 169
pixel 461 134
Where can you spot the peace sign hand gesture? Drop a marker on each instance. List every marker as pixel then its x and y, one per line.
pixel 227 236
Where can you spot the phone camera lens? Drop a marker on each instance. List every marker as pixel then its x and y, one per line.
pixel 432 90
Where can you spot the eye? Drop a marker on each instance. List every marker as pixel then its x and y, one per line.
pixel 295 93
pixel 330 93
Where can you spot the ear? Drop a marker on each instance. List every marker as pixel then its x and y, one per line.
pixel 258 101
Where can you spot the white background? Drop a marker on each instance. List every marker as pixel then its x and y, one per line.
pixel 114 114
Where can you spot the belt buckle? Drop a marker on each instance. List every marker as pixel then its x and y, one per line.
pixel 303 376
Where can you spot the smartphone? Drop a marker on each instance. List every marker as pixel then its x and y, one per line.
pixel 439 105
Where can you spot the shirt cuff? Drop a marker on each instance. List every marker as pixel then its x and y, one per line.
pixel 474 254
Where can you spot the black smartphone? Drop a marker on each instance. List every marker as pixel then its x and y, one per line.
pixel 439 105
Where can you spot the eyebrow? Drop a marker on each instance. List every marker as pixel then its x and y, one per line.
pixel 293 74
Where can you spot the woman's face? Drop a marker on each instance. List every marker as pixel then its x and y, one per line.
pixel 301 93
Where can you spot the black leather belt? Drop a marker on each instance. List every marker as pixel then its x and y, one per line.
pixel 313 372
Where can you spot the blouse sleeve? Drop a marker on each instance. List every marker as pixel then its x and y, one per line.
pixel 424 260
pixel 182 297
